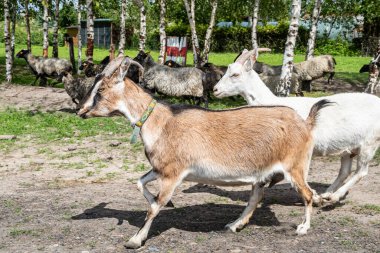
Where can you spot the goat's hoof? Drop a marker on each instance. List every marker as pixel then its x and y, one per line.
pixel 330 199
pixel 302 229
pixel 229 229
pixel 133 244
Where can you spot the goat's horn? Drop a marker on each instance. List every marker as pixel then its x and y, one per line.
pixel 245 56
pixel 113 66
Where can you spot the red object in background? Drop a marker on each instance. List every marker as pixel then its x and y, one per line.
pixel 176 49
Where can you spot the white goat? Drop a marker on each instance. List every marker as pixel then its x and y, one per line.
pixel 350 128
pixel 242 146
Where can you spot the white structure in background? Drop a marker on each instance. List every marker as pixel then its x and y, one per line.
pixel 176 49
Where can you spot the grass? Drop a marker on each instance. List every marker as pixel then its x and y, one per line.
pixel 346 68
pixel 56 126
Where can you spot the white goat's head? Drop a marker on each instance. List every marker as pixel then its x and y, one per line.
pixel 239 75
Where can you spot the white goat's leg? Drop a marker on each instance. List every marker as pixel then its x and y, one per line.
pixel 168 186
pixel 344 172
pixel 256 195
pixel 141 185
pixel 362 170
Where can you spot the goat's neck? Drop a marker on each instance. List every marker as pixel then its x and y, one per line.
pixel 256 92
pixel 136 101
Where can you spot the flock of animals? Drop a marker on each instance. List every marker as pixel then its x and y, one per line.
pixel 271 140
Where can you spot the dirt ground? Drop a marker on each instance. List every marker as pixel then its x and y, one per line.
pixel 48 203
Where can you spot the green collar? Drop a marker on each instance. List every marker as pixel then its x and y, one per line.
pixel 144 117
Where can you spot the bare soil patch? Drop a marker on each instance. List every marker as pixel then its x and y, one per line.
pixel 82 196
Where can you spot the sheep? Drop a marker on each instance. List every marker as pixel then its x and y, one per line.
pixel 172 64
pixel 187 143
pixel 272 81
pixel 374 73
pixel 350 128
pixel 45 67
pixel 90 69
pixel 177 82
pixel 78 87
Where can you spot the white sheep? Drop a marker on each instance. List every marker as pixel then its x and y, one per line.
pixel 350 128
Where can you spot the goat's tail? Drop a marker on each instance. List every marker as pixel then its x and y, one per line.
pixel 334 60
pixel 314 112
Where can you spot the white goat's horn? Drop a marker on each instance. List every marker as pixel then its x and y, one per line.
pixel 245 56
pixel 113 66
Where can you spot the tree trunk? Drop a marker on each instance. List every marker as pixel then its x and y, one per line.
pixel 206 49
pixel 7 39
pixel 27 24
pixel 313 30
pixel 45 48
pixel 122 26
pixel 13 30
pixel 79 35
pixel 142 37
pixel 255 19
pixel 194 38
pixel 90 31
pixel 283 88
pixel 162 32
pixel 55 30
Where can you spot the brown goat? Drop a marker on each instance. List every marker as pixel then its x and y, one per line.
pixel 242 146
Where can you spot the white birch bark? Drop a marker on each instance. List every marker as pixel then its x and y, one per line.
pixel 162 31
pixel 79 7
pixel 122 26
pixel 190 9
pixel 283 88
pixel 255 19
pixel 13 30
pixel 55 30
pixel 313 29
pixel 207 44
pixel 45 46
pixel 7 39
pixel 27 24
pixel 90 31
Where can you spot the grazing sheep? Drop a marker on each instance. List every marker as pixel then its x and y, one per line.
pixel 177 82
pixel 350 128
pixel 77 88
pixel 241 146
pixel 90 69
pixel 45 67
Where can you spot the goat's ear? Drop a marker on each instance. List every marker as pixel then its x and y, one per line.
pixel 251 60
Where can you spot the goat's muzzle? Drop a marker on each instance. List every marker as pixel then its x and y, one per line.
pixel 82 112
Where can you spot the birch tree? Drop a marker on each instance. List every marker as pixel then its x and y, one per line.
pixel 313 29
pixel 190 10
pixel 206 49
pixel 283 87
pixel 55 30
pixel 122 26
pixel 45 47
pixel 79 8
pixel 142 37
pixel 7 39
pixel 162 32
pixel 27 24
pixel 255 19
pixel 90 31
pixel 13 29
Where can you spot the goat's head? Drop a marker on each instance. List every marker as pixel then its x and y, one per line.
pixel 23 53
pixel 109 90
pixel 238 76
pixel 85 65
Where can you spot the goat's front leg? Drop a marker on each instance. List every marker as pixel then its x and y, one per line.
pixel 168 186
pixel 37 77
pixel 256 195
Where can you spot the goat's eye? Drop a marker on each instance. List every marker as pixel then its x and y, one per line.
pixel 100 90
pixel 235 75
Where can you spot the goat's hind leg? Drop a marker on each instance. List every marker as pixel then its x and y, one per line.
pixel 365 156
pixel 299 181
pixel 256 195
pixel 344 172
pixel 168 186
